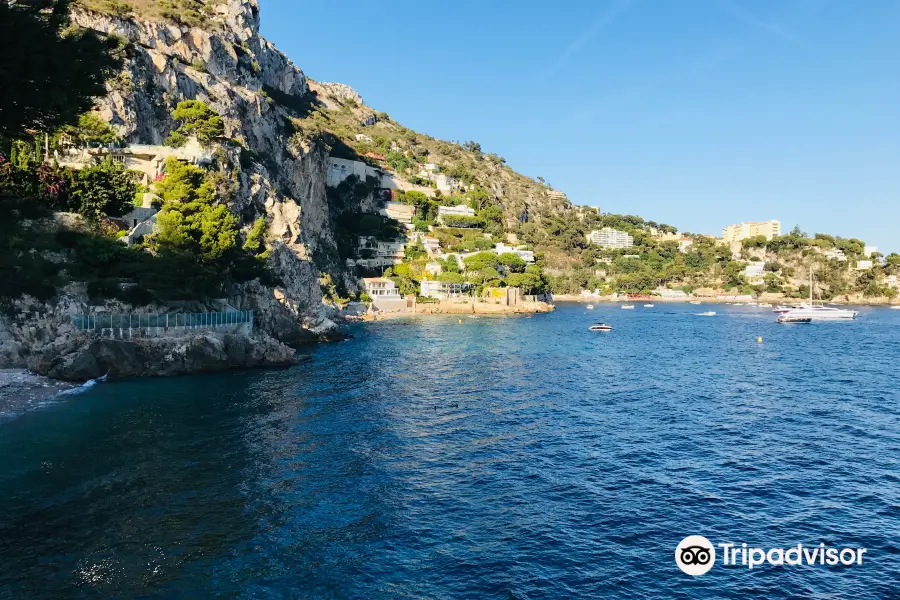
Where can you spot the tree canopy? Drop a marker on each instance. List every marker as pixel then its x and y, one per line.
pixel 51 73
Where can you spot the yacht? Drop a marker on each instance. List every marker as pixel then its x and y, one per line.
pixel 590 307
pixel 818 312
pixel 696 302
pixel 600 327
pixel 648 306
pixel 895 308
pixel 628 307
pixel 709 313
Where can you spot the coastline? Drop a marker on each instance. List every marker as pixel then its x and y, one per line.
pixel 21 390
pixel 573 299
pixel 456 307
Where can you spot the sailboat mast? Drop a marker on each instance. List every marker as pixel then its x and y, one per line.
pixel 810 288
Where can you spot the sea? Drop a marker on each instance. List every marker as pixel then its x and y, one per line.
pixel 476 458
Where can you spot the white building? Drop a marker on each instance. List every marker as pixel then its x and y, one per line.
pixel 380 253
pixel 361 137
pixel 432 245
pixel 430 168
pixel 443 290
pixel 835 254
pixel 684 244
pixel 755 273
pixel 460 210
pixel 611 238
pixel 868 251
pixel 340 169
pixel 526 255
pixel 449 185
pixel 399 212
pixel 863 265
pixel 891 281
pixel 433 268
pixel 672 294
pixel 384 293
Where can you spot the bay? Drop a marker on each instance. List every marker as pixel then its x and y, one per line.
pixel 489 458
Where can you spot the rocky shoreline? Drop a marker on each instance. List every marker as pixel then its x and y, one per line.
pixel 21 390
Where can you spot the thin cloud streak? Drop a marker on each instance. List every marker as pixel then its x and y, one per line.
pixel 608 105
pixel 609 16
pixel 775 29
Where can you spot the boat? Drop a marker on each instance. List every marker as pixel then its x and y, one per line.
pixel 628 307
pixel 819 312
pixel 590 307
pixel 784 308
pixel 764 305
pixel 895 308
pixel 649 306
pixel 696 302
pixel 600 327
pixel 709 313
pixel 792 319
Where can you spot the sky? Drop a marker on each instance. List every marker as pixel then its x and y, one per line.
pixel 695 113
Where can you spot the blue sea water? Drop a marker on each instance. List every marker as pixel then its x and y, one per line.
pixel 512 458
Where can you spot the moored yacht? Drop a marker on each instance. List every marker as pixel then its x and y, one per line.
pixel 818 312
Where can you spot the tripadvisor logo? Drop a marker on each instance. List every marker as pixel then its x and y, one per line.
pixel 696 555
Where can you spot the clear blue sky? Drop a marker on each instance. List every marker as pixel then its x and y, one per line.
pixel 697 113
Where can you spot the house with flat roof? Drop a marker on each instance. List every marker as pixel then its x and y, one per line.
pixel 526 255
pixel 384 293
pixel 442 290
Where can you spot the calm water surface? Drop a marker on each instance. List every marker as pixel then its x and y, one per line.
pixel 508 458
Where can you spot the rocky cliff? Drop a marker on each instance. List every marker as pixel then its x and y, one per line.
pixel 227 65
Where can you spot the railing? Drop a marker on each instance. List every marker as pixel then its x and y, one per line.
pixel 142 325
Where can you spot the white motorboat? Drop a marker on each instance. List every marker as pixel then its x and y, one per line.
pixel 590 307
pixel 649 305
pixel 818 312
pixel 764 305
pixel 709 313
pixel 895 308
pixel 696 302
pixel 600 327
pixel 628 307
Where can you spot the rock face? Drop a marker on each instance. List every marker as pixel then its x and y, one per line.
pixel 342 92
pixel 201 353
pixel 236 72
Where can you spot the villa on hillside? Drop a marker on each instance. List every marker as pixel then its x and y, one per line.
pixel 460 210
pixel 384 293
pixel 443 290
pixel 526 255
pixel 148 160
pixel 755 273
pixel 835 254
pixel 399 211
pixel 372 252
pixel 339 169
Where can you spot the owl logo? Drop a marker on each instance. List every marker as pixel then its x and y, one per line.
pixel 695 555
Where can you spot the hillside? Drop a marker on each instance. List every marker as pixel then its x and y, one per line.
pixel 241 155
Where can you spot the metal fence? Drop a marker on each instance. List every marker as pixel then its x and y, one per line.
pixel 161 324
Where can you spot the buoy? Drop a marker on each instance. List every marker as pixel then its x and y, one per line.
pixel 759 340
